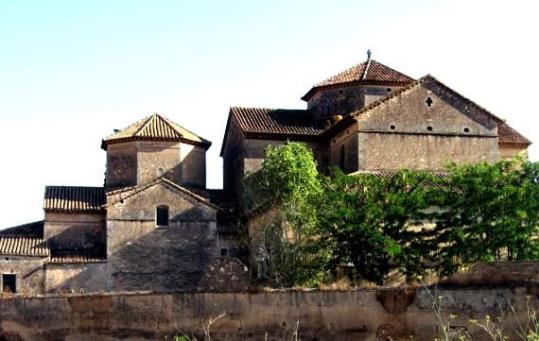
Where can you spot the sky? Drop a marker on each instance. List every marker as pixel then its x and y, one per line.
pixel 72 71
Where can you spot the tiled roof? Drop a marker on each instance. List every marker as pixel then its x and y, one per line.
pixel 368 72
pixel 276 121
pixel 74 198
pixel 155 127
pixel 28 230
pixel 21 246
pixel 76 259
pixel 508 135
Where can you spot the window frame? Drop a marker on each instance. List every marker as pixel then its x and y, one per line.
pixel 159 211
pixel 2 282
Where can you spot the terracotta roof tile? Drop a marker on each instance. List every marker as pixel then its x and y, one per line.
pixel 74 198
pixel 508 135
pixel 276 121
pixel 21 246
pixel 28 230
pixel 76 259
pixel 368 72
pixel 155 127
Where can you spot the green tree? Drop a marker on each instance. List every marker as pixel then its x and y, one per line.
pixel 374 221
pixel 288 180
pixel 409 220
pixel 490 210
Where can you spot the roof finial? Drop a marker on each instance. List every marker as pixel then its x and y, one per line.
pixel 367 65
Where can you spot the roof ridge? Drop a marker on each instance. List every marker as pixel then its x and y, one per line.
pixel 144 186
pixel 172 126
pixel 175 126
pixel 366 69
pixel 386 99
pixel 145 124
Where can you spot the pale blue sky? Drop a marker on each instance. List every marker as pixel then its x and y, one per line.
pixel 72 71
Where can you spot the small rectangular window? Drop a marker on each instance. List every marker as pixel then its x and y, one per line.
pixel 9 284
pixel 161 215
pixel 224 252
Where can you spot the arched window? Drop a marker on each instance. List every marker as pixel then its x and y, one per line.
pixel 161 215
pixel 342 159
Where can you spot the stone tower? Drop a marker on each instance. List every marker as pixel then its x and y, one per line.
pixel 151 148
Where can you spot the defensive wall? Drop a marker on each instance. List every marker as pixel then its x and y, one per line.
pixel 362 314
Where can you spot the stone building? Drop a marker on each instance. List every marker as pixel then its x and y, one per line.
pixel 370 118
pixel 153 226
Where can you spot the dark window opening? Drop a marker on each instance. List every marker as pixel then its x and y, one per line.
pixel 388 89
pixel 224 252
pixel 161 215
pixel 340 91
pixel 392 127
pixel 466 130
pixel 429 102
pixel 342 158
pixel 9 284
pixel 429 128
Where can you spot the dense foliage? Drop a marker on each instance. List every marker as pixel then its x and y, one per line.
pixel 412 221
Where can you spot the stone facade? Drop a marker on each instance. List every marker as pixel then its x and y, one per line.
pixel 373 118
pixel 152 227
pixel 370 314
pixel 145 256
pixel 67 232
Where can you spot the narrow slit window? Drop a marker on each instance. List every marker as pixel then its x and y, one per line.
pixel 429 102
pixel 161 215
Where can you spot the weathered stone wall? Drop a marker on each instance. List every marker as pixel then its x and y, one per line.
pixel 75 231
pixel 139 162
pixel 344 100
pixel 508 152
pixel 180 162
pixel 193 166
pixel 78 277
pixel 379 151
pixel 121 165
pixel 233 166
pixel 407 132
pixel 155 159
pixel 347 142
pixel 28 271
pixel 143 256
pixel 396 314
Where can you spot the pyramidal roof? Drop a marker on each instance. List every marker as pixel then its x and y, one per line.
pixel 368 72
pixel 155 128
